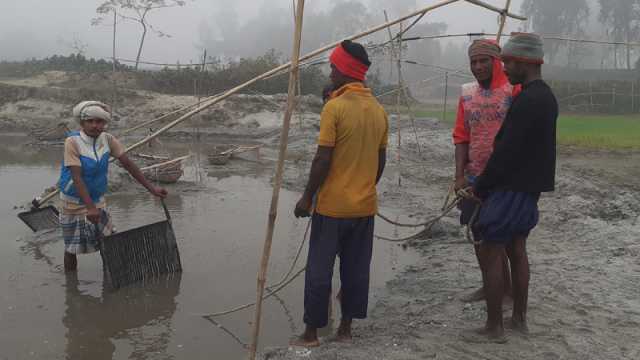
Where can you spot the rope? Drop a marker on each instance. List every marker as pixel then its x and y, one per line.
pixel 427 225
pixel 275 288
pixel 469 232
pixel 288 278
pixel 544 37
pixel 447 207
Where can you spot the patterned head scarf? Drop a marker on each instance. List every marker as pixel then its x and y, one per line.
pixel 524 47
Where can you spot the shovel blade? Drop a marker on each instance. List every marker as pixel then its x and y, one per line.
pixel 41 218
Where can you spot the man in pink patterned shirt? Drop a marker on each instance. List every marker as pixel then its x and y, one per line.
pixel 482 107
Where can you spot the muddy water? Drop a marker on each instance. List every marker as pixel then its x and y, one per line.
pixel 219 222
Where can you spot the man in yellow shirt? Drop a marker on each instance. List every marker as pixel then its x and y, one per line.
pixel 349 162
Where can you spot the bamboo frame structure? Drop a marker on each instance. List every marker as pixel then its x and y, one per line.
pixel 543 37
pixel 273 210
pixel 165 163
pixel 218 98
pixel 503 20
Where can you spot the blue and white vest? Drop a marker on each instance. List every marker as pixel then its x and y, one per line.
pixel 94 160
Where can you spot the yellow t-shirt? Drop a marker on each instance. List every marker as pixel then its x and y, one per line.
pixel 356 126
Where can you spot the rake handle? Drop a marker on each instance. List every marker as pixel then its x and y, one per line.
pixel 166 211
pixel 36 204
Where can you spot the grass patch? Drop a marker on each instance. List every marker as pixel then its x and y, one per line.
pixel 450 115
pixel 593 131
pixel 600 131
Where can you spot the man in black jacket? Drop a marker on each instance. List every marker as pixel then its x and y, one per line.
pixel 521 167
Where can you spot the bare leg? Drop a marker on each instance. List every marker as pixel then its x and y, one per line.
pixel 308 339
pixel 70 262
pixel 479 294
pixel 508 291
pixel 344 331
pixel 491 255
pixel 517 252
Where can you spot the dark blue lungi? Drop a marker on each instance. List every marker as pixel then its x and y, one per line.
pixel 505 215
pixel 352 240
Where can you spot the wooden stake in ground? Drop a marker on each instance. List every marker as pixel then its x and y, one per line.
pixel 397 57
pixel 113 60
pixel 446 94
pixel 273 210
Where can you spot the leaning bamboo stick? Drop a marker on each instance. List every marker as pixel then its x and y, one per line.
pixel 158 119
pixel 495 9
pixel 218 98
pixel 273 211
pixel 503 20
pixel 398 57
pixel 154 166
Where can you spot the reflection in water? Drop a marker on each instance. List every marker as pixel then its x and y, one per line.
pixel 93 323
pixel 14 151
pixel 35 245
pixel 231 334
pixel 285 309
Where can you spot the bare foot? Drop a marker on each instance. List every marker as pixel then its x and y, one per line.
pixel 301 341
pixel 343 337
pixel 484 336
pixel 475 296
pixel 519 326
pixel 343 334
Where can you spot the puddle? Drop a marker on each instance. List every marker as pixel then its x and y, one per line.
pixel 219 222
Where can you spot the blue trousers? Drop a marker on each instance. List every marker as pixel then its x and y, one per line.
pixel 352 240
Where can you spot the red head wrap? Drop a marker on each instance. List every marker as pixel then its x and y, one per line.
pixel 347 64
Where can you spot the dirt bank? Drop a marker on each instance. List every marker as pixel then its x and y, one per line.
pixel 41 103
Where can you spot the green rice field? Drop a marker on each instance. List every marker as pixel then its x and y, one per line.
pixel 594 131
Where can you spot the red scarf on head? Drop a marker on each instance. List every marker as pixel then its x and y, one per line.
pixel 347 64
pixel 499 78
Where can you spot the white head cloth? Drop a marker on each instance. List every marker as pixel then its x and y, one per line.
pixel 91 110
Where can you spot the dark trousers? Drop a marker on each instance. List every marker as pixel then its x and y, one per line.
pixel 352 240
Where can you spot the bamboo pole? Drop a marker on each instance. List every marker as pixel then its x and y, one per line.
pixel 273 210
pixel 446 93
pixel 158 119
pixel 590 96
pixel 113 60
pixel 396 56
pixel 633 96
pixel 503 20
pixel 218 98
pixel 154 166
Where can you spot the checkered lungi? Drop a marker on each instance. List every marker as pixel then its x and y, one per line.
pixel 82 236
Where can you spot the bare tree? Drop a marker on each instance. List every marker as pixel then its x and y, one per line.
pixel 552 17
pixel 136 11
pixel 76 44
pixel 623 20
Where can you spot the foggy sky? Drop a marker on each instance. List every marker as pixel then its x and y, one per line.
pixel 39 28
